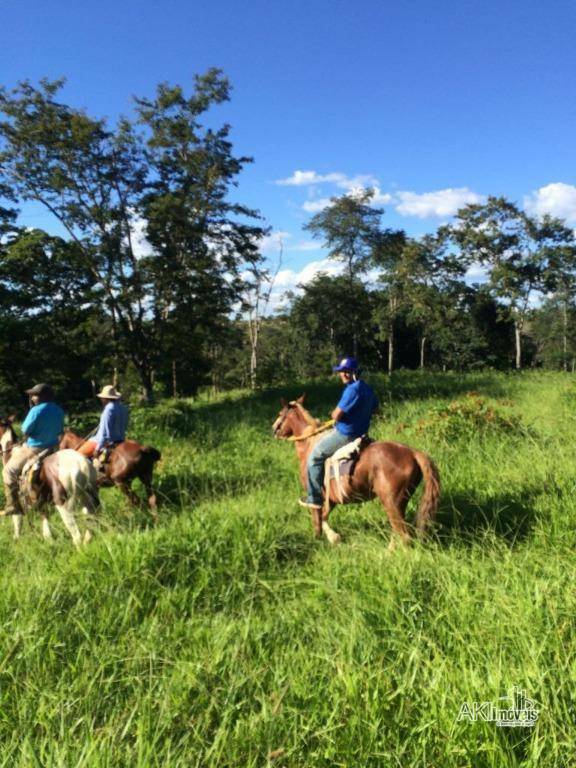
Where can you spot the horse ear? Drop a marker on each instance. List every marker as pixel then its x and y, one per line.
pixel 283 402
pixel 302 399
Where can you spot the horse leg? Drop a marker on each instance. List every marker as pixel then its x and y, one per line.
pixel 46 531
pixel 129 493
pixel 394 501
pixel 17 521
pixel 400 531
pixel 151 496
pixel 70 522
pixel 91 522
pixel 330 533
pixel 316 515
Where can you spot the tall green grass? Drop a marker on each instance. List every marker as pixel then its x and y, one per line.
pixel 228 636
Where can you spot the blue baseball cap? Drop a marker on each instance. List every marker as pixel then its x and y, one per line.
pixel 346 364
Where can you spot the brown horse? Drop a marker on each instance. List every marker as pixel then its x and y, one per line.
pixel 66 479
pixel 128 461
pixel 390 471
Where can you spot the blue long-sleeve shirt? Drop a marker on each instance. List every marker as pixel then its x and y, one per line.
pixel 113 424
pixel 43 425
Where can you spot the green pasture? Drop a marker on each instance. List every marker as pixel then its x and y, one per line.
pixel 229 636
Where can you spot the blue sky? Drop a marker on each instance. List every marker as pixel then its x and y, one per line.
pixel 433 102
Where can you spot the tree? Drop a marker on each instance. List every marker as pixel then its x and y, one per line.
pixel 50 326
pixel 515 247
pixel 350 229
pixel 559 251
pixel 322 316
pixel 164 175
pixel 258 294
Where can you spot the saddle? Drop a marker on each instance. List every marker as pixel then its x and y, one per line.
pixel 341 464
pixel 103 457
pixel 30 475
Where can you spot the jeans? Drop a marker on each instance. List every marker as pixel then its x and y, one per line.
pixel 322 451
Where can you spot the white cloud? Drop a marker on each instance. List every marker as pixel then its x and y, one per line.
pixel 306 178
pixel 443 202
pixel 557 199
pixel 314 206
pixel 272 242
pixel 381 198
pixel 306 245
pixel 476 273
pixel 140 244
pixel 288 279
pixel 309 178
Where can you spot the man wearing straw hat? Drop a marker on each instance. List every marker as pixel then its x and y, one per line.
pixel 113 423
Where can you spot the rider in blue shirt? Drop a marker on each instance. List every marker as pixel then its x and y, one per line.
pixel 352 416
pixel 112 426
pixel 42 428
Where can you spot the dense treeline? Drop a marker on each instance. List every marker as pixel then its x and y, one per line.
pixel 156 278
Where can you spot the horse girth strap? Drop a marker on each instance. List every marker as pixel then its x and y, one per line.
pixel 322 428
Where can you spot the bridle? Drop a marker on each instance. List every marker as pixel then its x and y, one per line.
pixel 279 423
pixel 314 425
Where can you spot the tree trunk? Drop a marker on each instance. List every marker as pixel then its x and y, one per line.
pixel 422 346
pixel 174 380
pixel 392 311
pixel 253 368
pixel 146 376
pixel 518 337
pixel 565 335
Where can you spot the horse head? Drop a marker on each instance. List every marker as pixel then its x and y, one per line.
pixel 7 437
pixel 69 440
pixel 292 419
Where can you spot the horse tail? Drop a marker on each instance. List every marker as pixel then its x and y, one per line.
pixel 152 453
pixel 429 502
pixel 79 480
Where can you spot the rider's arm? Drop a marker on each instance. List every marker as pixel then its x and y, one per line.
pixel 337 414
pixel 103 434
pixel 29 423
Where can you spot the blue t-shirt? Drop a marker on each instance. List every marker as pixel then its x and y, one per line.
pixel 113 424
pixel 358 402
pixel 43 425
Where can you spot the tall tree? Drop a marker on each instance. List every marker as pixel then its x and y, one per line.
pixel 164 175
pixel 350 229
pixel 558 247
pixel 515 248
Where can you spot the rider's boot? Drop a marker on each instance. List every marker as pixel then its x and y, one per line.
pixel 13 506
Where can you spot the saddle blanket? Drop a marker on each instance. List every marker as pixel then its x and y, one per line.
pixel 341 464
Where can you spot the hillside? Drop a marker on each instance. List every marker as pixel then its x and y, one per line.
pixel 229 636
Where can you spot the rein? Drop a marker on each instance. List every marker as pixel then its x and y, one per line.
pixel 322 428
pixel 85 439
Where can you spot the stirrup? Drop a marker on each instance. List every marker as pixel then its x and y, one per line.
pixel 309 504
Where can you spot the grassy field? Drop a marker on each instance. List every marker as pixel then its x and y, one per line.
pixel 229 636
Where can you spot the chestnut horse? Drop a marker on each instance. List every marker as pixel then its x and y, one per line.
pixel 390 471
pixel 128 461
pixel 66 479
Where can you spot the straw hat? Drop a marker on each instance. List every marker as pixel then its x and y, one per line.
pixel 109 392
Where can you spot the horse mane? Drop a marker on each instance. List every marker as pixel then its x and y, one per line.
pixel 308 418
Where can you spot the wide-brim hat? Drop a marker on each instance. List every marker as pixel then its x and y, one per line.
pixel 109 392
pixel 42 390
